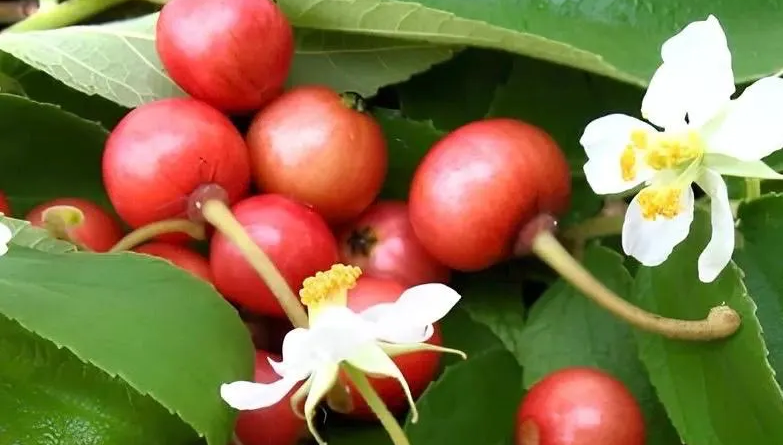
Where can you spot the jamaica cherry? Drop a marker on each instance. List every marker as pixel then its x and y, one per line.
pixel 180 256
pixel 5 208
pixel 233 55
pixel 296 239
pixel 162 152
pixel 579 406
pixel 274 425
pixel 98 231
pixel 418 368
pixel 382 243
pixel 311 145
pixel 479 185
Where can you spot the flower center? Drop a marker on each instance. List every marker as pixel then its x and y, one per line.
pixel 660 151
pixel 329 288
pixel 660 201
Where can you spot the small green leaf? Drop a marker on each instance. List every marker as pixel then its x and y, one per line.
pixel 717 393
pixel 461 332
pixel 566 329
pixel 48 153
pixel 25 235
pixel 408 141
pixel 473 402
pixel 166 333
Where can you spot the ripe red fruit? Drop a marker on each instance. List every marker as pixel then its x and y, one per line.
pixel 419 368
pixel 275 425
pixel 295 238
pixel 579 406
pixel 233 55
pixel 310 145
pixel 5 208
pixel 382 243
pixel 181 256
pixel 163 151
pixel 99 231
pixel 480 184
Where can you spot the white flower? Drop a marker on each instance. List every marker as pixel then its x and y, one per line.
pixel 338 335
pixel 704 135
pixel 5 238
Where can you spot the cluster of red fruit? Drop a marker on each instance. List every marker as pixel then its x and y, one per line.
pixel 304 181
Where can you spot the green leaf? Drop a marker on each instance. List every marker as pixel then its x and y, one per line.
pixel 616 39
pixel 761 225
pixel 166 333
pixel 473 402
pixel 566 329
pixel 25 235
pixel 718 393
pixel 408 141
pixel 48 153
pixel 119 62
pixel 461 332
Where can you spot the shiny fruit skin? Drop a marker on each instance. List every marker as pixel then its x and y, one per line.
pixel 419 368
pixel 162 151
pixel 579 406
pixel 311 147
pixel 295 238
pixel 275 425
pixel 233 55
pixel 180 256
pixel 5 208
pixel 99 231
pixel 477 187
pixel 382 243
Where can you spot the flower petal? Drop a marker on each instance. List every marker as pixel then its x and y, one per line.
pixel 397 349
pixel 372 360
pixel 750 129
pixel 651 242
pixel 728 166
pixel 604 141
pixel 250 395
pixel 410 318
pixel 695 78
pixel 337 334
pixel 5 238
pixel 297 355
pixel 718 252
pixel 321 383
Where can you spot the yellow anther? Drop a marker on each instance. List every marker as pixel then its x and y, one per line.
pixel 672 151
pixel 640 139
pixel 660 201
pixel 329 287
pixel 628 163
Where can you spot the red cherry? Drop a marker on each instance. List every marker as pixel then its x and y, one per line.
pixel 295 238
pixel 181 256
pixel 5 208
pixel 313 147
pixel 579 406
pixel 274 425
pixel 163 151
pixel 233 55
pixel 480 184
pixel 419 368
pixel 382 243
pixel 99 231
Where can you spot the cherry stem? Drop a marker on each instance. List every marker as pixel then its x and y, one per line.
pixel 217 213
pixel 752 188
pixel 64 14
pixel 597 227
pixel 150 231
pixel 377 406
pixel 56 222
pixel 721 322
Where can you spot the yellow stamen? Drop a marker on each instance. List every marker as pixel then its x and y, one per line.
pixel 638 141
pixel 660 201
pixel 329 288
pixel 672 151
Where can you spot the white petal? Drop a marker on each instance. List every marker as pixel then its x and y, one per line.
pixel 410 318
pixel 298 358
pixel 728 166
pixel 651 242
pixel 604 141
pixel 718 252
pixel 321 383
pixel 695 78
pixel 249 395
pixel 337 333
pixel 5 238
pixel 751 127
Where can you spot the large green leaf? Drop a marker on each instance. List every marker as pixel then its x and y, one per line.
pixel 473 402
pixel 119 62
pixel 718 393
pixel 761 225
pixel 48 153
pixel 616 39
pixel 566 329
pixel 166 333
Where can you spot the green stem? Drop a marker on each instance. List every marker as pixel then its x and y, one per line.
pixel 752 188
pixel 597 227
pixel 67 13
pixel 377 406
